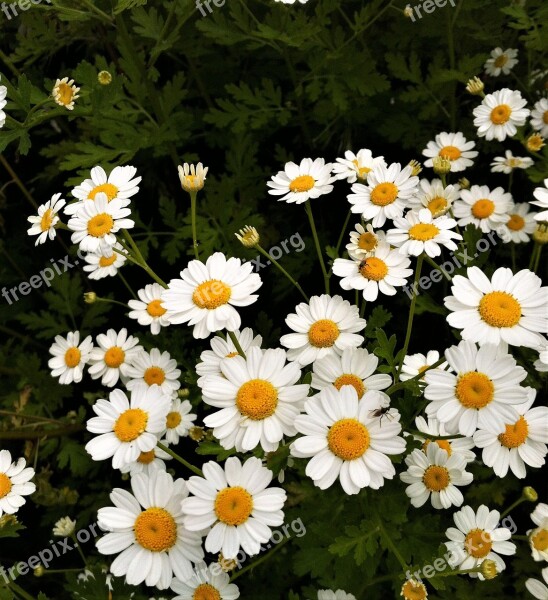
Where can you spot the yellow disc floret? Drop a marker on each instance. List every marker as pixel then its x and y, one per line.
pixel 474 390
pixel 348 439
pixel 130 424
pixel 500 309
pixel 233 505
pixel 155 530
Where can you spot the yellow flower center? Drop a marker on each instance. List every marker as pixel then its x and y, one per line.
pixel 72 357
pixel 437 205
pixel 100 225
pixel 539 540
pixel 154 375
pixel 367 241
pixel 423 232
pixel 384 193
pixel 231 354
pixel 257 399
pixel 513 162
pixel 413 590
pixel 436 478
pixel 500 61
pixel 130 424
pixel 478 543
pixel 373 268
pixel 114 357
pixel 515 435
pixel 5 485
pixel 303 183
pixel 47 220
pixel 211 294
pixel 515 223
pixel 362 171
pixel 233 505
pixel 443 444
pixel 155 530
pixel 65 93
pixel 348 439
pixel 474 390
pixel 450 153
pixel 145 458
pixel 173 420
pixel 106 261
pixel 205 591
pixel 501 114
pixel 500 309
pixel 155 308
pixel 110 190
pixel 545 117
pixel 353 380
pixel 323 333
pixel 483 208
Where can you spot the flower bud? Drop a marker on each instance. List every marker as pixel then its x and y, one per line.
pixel 416 167
pixel 248 236
pixel 104 78
pixel 464 183
pixel 489 568
pixel 227 564
pixel 183 393
pixel 196 434
pixel 441 165
pixel 90 297
pixel 529 494
pixel 475 86
pixel 535 142
pixel 39 571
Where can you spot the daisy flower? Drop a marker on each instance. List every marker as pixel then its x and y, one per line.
pixel 327 325
pixel 482 207
pixel 484 390
pixel 206 294
pixel 519 226
pixel 97 222
pixel 500 114
pixel 413 590
pixel 44 224
pixel 192 177
pixel 259 399
pixel 507 163
pixel 153 368
pixel 337 595
pixel 299 183
pixel 15 482
pixel 346 440
pixel 356 166
pixel 69 357
pixel 3 102
pixel 65 92
pixel 386 194
pixel 541 195
pixel 435 197
pixel 236 504
pixel 220 348
pixel 207 583
pixel 454 148
pixel 64 527
pixel 146 530
pixel 539 117
pixel 538 538
pixel 149 309
pixel 508 308
pixel 414 364
pixel 127 427
pixel 178 422
pixel 364 241
pixel 477 538
pixel 537 588
pixel 501 61
pixel 420 232
pixel 355 367
pixel 113 356
pixel 383 272
pixel 435 474
pixel 433 429
pixel 151 460
pixel 105 262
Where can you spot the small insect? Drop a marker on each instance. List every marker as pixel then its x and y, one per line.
pixel 381 412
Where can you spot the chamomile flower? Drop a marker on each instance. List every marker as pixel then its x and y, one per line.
pixel 539 117
pixel 65 93
pixel 414 364
pixel 483 389
pixel 299 183
pixel 151 460
pixel 507 163
pixel 206 583
pixel 127 427
pixel 327 325
pixel 15 482
pixel 64 527
pixel 501 61
pixel 364 241
pixel 356 166
pixel 179 420
pixel 482 207
pixel 149 309
pixel 113 356
pixel 153 368
pixel 413 590
pixel 519 226
pixel 500 114
pixel 538 589
pixel 105 262
pixel 97 222
pixel 236 503
pixel 386 194
pixel 538 537
pixel 346 440
pixel 259 399
pixel 433 429
pixel 477 538
pixel 44 224
pixel 420 232
pixel 435 197
pixel 192 177
pixel 453 147
pixel 541 195
pixel 146 530
pixel 435 475
pixel 508 308
pixel 207 294
pixel 355 367
pixel 69 357
pixel 383 272
pixel 3 102
pixel 335 595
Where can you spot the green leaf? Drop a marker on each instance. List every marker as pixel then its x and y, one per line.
pixel 360 541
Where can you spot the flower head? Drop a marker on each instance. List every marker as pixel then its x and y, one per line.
pixel 475 86
pixel 64 527
pixel 105 262
pixel 541 195
pixel 14 483
pixel 356 166
pixel 44 224
pixel 486 209
pixel 506 164
pixel 539 117
pixel 192 177
pixel 500 114
pixel 149 309
pixel 299 183
pixel 501 62
pixel 453 147
pixel 113 356
pixel 65 93
pixel 364 241
pixel 248 236
pixel 69 357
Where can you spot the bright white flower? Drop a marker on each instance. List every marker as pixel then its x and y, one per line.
pixel 507 163
pixel 484 390
pixel 364 241
pixel 207 583
pixel 65 93
pixel 541 195
pixel 64 527
pixel 355 366
pixel 69 357
pixel 435 197
pixel 346 439
pixel 259 399
pixel 454 148
pixel 519 226
pixel 386 194
pixel 153 368
pixel 501 61
pixel 356 166
pixel 127 427
pixel 537 588
pixel 15 482
pixel 541 364
pixel 538 537
pixel 435 474
pixel 236 503
pixel 44 224
pixel 434 429
pixel 3 102
pixel 539 117
pixel 327 325
pixel 382 272
pixel 420 232
pixel 337 595
pixel 477 538
pixel 413 364
pixel 105 262
pixel 147 532
pixel 299 183
pixel 206 294
pixel 113 356
pixel 508 308
pixel 97 222
pixel 151 460
pixel 192 177
pixel 149 310
pixel 178 422
pixel 500 114
pixel 482 207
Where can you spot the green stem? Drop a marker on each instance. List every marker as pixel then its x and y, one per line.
pixel 236 343
pixel 180 459
pixel 193 218
pixel 140 260
pixel 109 301
pixel 39 434
pixel 512 506
pixel 124 281
pixel 455 436
pixel 279 266
pixel 77 545
pixel 9 413
pixel 263 559
pixel 536 248
pixel 19 591
pixel 399 386
pixel 537 258
pixel 391 546
pixel 362 307
pixel 432 262
pixel 308 209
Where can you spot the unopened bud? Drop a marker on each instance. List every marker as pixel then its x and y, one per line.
pixel 196 434
pixel 416 167
pixel 464 183
pixel 227 564
pixel 183 393
pixel 529 494
pixel 90 297
pixel 441 165
pixel 39 571
pixel 248 236
pixel 489 568
pixel 535 142
pixel 104 78
pixel 475 86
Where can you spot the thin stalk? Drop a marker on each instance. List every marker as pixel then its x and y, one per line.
pixel 77 545
pixel 39 434
pixel 279 266
pixel 129 288
pixel 391 546
pixel 109 301
pixel 432 262
pixel 263 559
pixel 536 248
pixel 308 209
pixel 236 343
pixel 362 307
pixel 19 591
pixel 399 386
pixel 180 459
pixel 193 219
pixel 513 505
pixel 537 259
pixel 140 260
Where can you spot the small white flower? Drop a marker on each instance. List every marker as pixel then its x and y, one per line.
pixel 453 147
pixel 299 183
pixel 482 207
pixel 500 114
pixel 113 356
pixel 192 177
pixel 501 61
pixel 105 262
pixel 435 197
pixel 3 102
pixel 541 195
pixel 14 483
pixel 179 420
pixel 364 241
pixel 65 92
pixel 335 595
pixel 151 460
pixel 207 583
pixel 433 429
pixel 153 368
pixel 414 364
pixel 539 117
pixel 519 226
pixel 44 224
pixel 507 163
pixel 538 537
pixel 64 527
pixel 69 357
pixel 356 166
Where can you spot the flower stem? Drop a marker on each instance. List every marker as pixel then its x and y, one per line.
pixel 124 281
pixel 180 459
pixel 390 544
pixel 279 266
pixel 109 301
pixel 19 591
pixel 512 506
pixel 308 209
pixel 139 259
pixel 77 545
pixel 263 559
pixel 193 218
pixel 236 343
pixel 432 262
